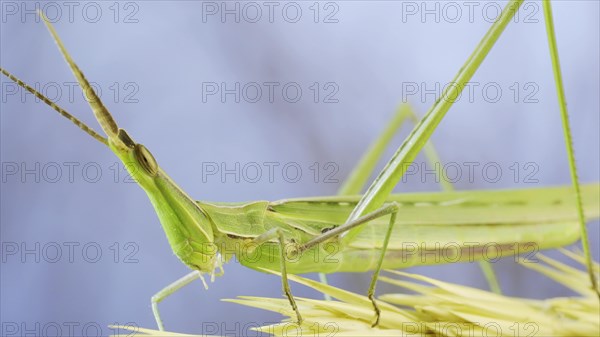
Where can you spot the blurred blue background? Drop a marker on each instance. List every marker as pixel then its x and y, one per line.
pixel 157 64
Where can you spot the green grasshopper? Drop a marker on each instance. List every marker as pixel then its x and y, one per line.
pixel 341 233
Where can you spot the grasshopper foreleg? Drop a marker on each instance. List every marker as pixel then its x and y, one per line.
pixel 170 289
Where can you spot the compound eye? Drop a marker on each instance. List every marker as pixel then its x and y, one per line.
pixel 146 160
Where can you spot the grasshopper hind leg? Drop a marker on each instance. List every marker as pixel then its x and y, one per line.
pixel 389 208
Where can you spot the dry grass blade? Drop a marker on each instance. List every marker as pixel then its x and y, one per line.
pixel 437 308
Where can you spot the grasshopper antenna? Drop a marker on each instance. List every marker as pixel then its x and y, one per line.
pixel 56 107
pixel 104 117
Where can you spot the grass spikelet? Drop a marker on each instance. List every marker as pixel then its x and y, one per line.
pixel 437 308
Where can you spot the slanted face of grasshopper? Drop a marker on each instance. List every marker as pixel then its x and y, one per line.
pixel 188 228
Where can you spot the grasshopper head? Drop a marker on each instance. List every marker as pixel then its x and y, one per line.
pixel 138 160
pixel 189 230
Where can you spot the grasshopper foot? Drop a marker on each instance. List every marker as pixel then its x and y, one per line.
pixel 377 311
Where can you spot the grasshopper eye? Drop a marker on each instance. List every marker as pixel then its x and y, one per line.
pixel 146 160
